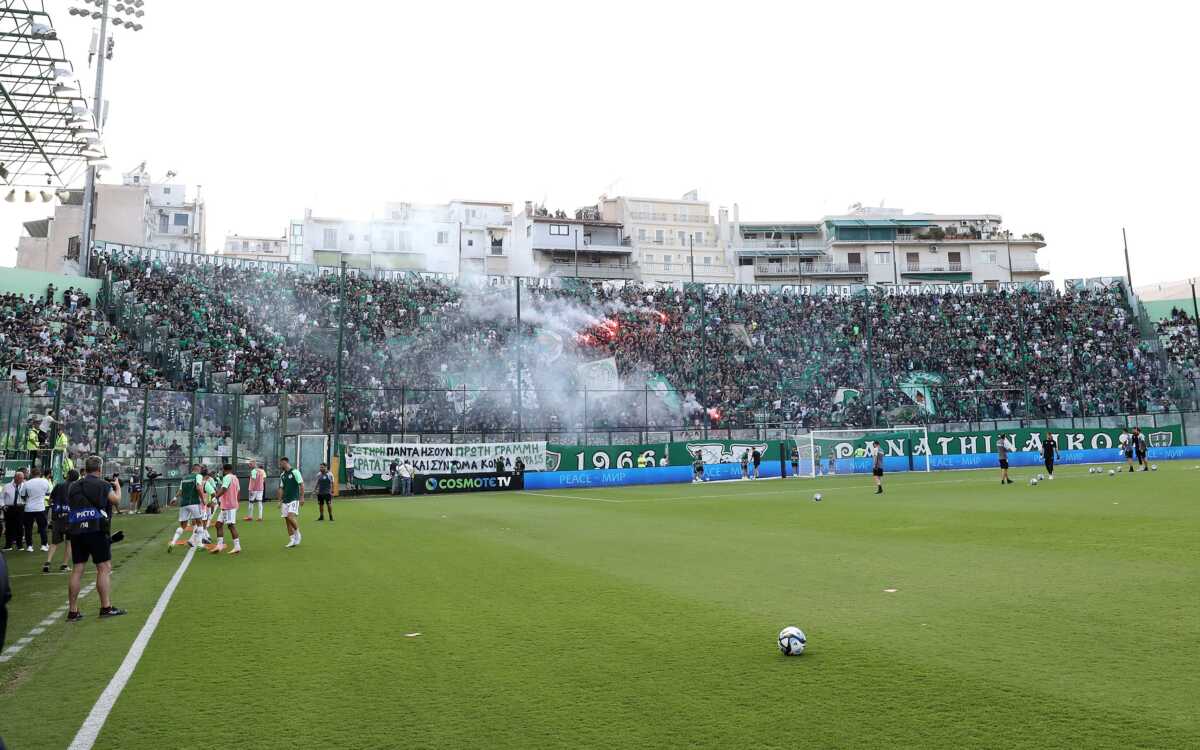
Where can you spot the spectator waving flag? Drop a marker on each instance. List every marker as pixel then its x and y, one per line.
pixel 665 391
pixel 918 386
pixel 845 395
pixel 600 375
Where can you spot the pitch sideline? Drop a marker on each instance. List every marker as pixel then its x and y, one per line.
pixel 85 738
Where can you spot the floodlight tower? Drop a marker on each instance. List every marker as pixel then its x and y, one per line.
pixel 94 151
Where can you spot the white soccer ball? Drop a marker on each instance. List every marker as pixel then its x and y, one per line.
pixel 1111 472
pixel 817 498
pixel 792 641
pixel 1033 481
pixel 1153 467
pixel 1041 476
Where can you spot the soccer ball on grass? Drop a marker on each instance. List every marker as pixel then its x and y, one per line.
pixel 1033 481
pixel 817 498
pixel 1112 473
pixel 1153 467
pixel 792 641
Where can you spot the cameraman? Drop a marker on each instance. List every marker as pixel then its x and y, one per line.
pixel 88 525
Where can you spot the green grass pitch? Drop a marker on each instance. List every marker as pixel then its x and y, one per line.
pixel 1065 615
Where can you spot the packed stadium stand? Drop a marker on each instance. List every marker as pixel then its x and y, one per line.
pixel 1181 342
pixel 426 355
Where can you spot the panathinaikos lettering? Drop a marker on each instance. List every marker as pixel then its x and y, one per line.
pixel 967 443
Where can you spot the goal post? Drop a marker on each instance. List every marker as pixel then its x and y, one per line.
pixel 907 445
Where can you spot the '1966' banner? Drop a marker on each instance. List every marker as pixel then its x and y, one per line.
pixel 373 461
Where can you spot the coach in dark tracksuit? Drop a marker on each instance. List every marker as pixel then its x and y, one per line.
pixel 1049 453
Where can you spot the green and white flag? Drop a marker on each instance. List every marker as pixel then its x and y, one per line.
pixel 845 395
pixel 918 387
pixel 600 375
pixel 547 344
pixel 662 388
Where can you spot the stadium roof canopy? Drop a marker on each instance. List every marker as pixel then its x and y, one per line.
pixel 43 113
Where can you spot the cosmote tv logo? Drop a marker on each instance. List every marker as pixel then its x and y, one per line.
pixel 467 484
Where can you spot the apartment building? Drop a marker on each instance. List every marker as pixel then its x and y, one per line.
pixel 256 247
pixel 885 246
pixel 461 236
pixel 672 240
pixel 582 244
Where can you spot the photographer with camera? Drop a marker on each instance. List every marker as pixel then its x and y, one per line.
pixel 88 524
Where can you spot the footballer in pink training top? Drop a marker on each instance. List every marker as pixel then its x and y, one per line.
pixel 230 488
pixel 258 478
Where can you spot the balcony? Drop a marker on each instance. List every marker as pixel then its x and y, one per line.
pixel 567 268
pixel 1026 267
pixel 675 243
pixel 937 267
pixel 670 218
pixel 793 268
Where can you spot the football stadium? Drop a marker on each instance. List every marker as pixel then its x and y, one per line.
pixel 638 474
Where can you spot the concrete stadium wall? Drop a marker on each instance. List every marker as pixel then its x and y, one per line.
pixel 26 282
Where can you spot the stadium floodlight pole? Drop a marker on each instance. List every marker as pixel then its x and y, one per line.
pixel 1195 310
pixel 337 393
pixel 1008 250
pixel 691 259
pixel 89 186
pixel 1128 275
pixel 870 357
pixel 520 347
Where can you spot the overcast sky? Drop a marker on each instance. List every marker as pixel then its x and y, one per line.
pixel 1067 118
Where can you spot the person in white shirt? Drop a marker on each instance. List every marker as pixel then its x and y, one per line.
pixel 406 475
pixel 34 493
pixel 14 525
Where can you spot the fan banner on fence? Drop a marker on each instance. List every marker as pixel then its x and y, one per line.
pixel 372 461
pixel 583 457
pixel 917 386
pixel 600 375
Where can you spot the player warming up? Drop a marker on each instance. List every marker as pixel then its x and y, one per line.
pixel 258 479
pixel 324 492
pixel 1050 453
pixel 191 508
pixel 877 466
pixel 291 498
pixel 1002 449
pixel 227 516
pixel 1139 448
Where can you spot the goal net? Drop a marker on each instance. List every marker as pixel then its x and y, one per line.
pixel 822 452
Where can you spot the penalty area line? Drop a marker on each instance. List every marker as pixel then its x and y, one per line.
pixel 85 739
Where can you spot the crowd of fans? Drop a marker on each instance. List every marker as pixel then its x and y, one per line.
pixel 1181 342
pixel 44 339
pixel 423 355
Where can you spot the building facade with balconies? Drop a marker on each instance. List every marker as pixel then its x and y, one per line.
pixel 554 243
pixel 455 237
pixel 886 246
pixel 255 247
pixel 175 221
pixel 671 240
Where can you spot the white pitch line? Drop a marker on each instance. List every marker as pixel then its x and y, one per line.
pixel 40 628
pixel 86 737
pixel 571 497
